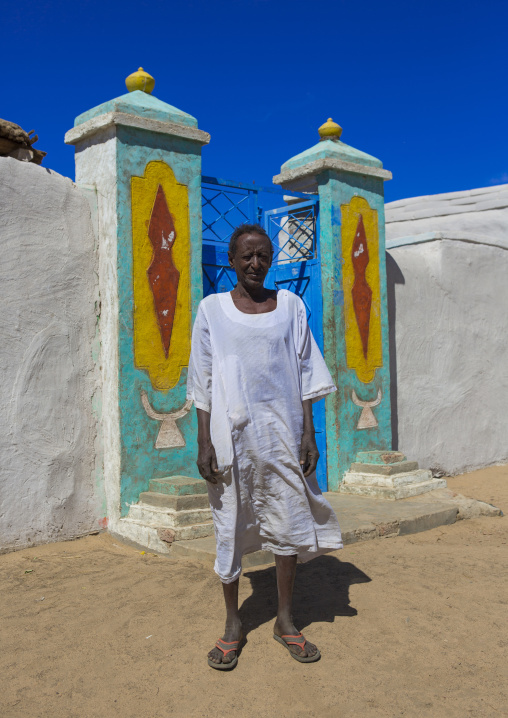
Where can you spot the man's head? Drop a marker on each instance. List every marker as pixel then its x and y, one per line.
pixel 247 229
pixel 250 254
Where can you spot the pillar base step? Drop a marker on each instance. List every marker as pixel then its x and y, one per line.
pixel 384 474
pixel 175 508
pixel 176 503
pixel 166 517
pixel 403 486
pixel 149 535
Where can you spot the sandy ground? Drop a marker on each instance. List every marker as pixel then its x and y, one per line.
pixel 412 626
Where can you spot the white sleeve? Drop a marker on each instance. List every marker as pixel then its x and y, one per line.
pixel 199 378
pixel 316 379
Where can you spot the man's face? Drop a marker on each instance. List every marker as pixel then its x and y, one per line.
pixel 251 260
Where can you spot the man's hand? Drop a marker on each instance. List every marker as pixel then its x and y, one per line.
pixel 207 462
pixel 309 454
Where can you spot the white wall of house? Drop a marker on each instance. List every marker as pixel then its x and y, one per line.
pixel 480 214
pixel 50 451
pixel 448 303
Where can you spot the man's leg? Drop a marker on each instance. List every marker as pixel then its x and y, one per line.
pixel 286 571
pixel 233 630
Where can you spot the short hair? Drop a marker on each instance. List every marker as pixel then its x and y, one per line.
pixel 247 229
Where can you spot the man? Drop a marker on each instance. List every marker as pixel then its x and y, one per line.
pixel 254 372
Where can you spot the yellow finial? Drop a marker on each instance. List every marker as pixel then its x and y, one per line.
pixel 330 130
pixel 140 80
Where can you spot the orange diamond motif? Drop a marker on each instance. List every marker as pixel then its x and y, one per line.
pixel 163 276
pixel 361 292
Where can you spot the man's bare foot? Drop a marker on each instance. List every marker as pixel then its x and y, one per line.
pixel 285 627
pixel 232 632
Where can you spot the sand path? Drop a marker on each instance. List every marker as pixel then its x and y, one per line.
pixel 409 626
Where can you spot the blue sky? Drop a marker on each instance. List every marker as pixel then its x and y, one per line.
pixel 422 86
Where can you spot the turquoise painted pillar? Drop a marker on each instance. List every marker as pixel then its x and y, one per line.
pixel 353 273
pixel 143 158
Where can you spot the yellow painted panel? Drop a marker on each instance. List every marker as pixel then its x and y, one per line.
pixel 365 365
pixel 149 351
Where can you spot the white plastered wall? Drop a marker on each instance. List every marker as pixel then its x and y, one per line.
pixel 96 168
pixel 50 448
pixel 477 213
pixel 448 297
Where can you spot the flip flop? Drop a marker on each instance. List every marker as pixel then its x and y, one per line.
pixel 300 641
pixel 223 646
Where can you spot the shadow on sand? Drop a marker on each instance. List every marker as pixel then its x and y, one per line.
pixel 321 593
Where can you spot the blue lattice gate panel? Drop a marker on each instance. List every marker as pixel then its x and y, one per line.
pixel 294 233
pixel 296 267
pixel 224 207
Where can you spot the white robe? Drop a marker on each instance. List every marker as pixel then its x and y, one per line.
pixel 252 372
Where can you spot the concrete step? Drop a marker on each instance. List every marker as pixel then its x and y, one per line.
pixel 177 503
pixel 141 536
pixel 401 467
pixel 204 550
pixel 168 518
pixel 178 486
pixel 360 518
pixel 369 479
pixel 386 488
pixel 380 457
pixel 132 526
pixel 175 509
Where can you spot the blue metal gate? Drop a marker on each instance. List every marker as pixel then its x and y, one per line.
pixel 294 231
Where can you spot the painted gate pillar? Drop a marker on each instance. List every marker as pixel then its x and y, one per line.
pixel 353 275
pixel 143 157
